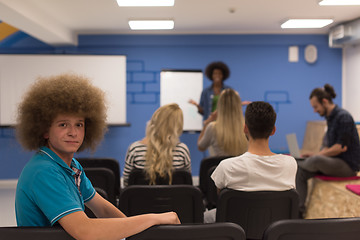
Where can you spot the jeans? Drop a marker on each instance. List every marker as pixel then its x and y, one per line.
pixel 319 164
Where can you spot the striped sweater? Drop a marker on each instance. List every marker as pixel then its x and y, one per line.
pixel 135 158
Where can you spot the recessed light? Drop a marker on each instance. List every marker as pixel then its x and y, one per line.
pixel 339 2
pixel 306 23
pixel 145 3
pixel 151 24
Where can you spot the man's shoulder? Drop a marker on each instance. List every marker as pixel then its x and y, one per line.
pixel 341 112
pixel 343 116
pixel 231 160
pixel 40 162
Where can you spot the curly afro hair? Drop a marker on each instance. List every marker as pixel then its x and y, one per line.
pixel 217 65
pixel 62 94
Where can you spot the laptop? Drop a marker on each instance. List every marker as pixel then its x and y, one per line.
pixel 293 146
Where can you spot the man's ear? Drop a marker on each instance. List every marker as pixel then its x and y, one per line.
pixel 46 135
pixel 246 130
pixel 273 131
pixel 324 102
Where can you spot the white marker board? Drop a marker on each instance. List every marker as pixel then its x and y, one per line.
pixel 179 86
pixel 18 72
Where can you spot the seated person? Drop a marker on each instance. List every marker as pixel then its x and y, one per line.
pixel 340 153
pixel 161 150
pixel 258 169
pixel 58 117
pixel 223 132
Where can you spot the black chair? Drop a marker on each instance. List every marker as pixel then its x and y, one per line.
pixel 38 233
pixel 206 184
pixel 205 165
pixel 314 229
pixel 214 231
pixel 255 211
pixel 108 163
pixel 211 193
pixel 185 200
pixel 179 176
pixel 103 180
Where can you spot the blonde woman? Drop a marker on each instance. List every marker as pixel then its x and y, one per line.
pixel 223 132
pixel 161 150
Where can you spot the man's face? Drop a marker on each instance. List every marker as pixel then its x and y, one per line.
pixel 66 134
pixel 318 107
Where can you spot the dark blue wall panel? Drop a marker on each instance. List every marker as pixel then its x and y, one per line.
pixel 259 71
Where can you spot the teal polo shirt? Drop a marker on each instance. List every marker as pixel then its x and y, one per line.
pixel 46 190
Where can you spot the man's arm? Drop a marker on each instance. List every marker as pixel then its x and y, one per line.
pixel 332 151
pixel 103 208
pixel 79 226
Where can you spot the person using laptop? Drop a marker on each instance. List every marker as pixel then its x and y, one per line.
pixel 340 152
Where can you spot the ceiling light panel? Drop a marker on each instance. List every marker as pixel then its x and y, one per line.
pixel 145 3
pixel 151 24
pixel 306 23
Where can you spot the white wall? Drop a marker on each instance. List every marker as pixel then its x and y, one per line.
pixel 351 81
pixel 7 203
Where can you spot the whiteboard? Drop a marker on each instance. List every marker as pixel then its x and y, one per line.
pixel 179 86
pixel 18 72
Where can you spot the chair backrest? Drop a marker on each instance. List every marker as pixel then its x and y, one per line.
pixel 38 233
pixel 213 231
pixel 180 176
pixel 185 200
pixel 211 194
pixel 109 163
pixel 255 211
pixel 314 229
pixel 205 165
pixel 103 178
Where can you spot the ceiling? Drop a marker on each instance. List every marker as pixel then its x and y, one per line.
pixel 58 22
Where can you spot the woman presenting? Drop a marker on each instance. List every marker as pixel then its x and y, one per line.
pixel 217 72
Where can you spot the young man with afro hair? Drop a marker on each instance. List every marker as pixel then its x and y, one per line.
pixel 58 117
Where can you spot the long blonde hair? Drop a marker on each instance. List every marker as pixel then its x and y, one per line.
pixel 162 133
pixel 229 125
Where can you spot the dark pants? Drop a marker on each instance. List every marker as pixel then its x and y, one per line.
pixel 319 164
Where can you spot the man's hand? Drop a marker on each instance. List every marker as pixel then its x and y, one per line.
pixel 334 150
pixel 307 154
pixel 344 148
pixel 168 218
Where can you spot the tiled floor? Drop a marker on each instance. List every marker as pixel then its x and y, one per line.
pixel 7 204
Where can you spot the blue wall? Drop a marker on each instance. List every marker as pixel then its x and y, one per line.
pixel 259 71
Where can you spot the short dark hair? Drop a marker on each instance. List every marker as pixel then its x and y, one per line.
pixel 260 119
pixel 217 65
pixel 327 92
